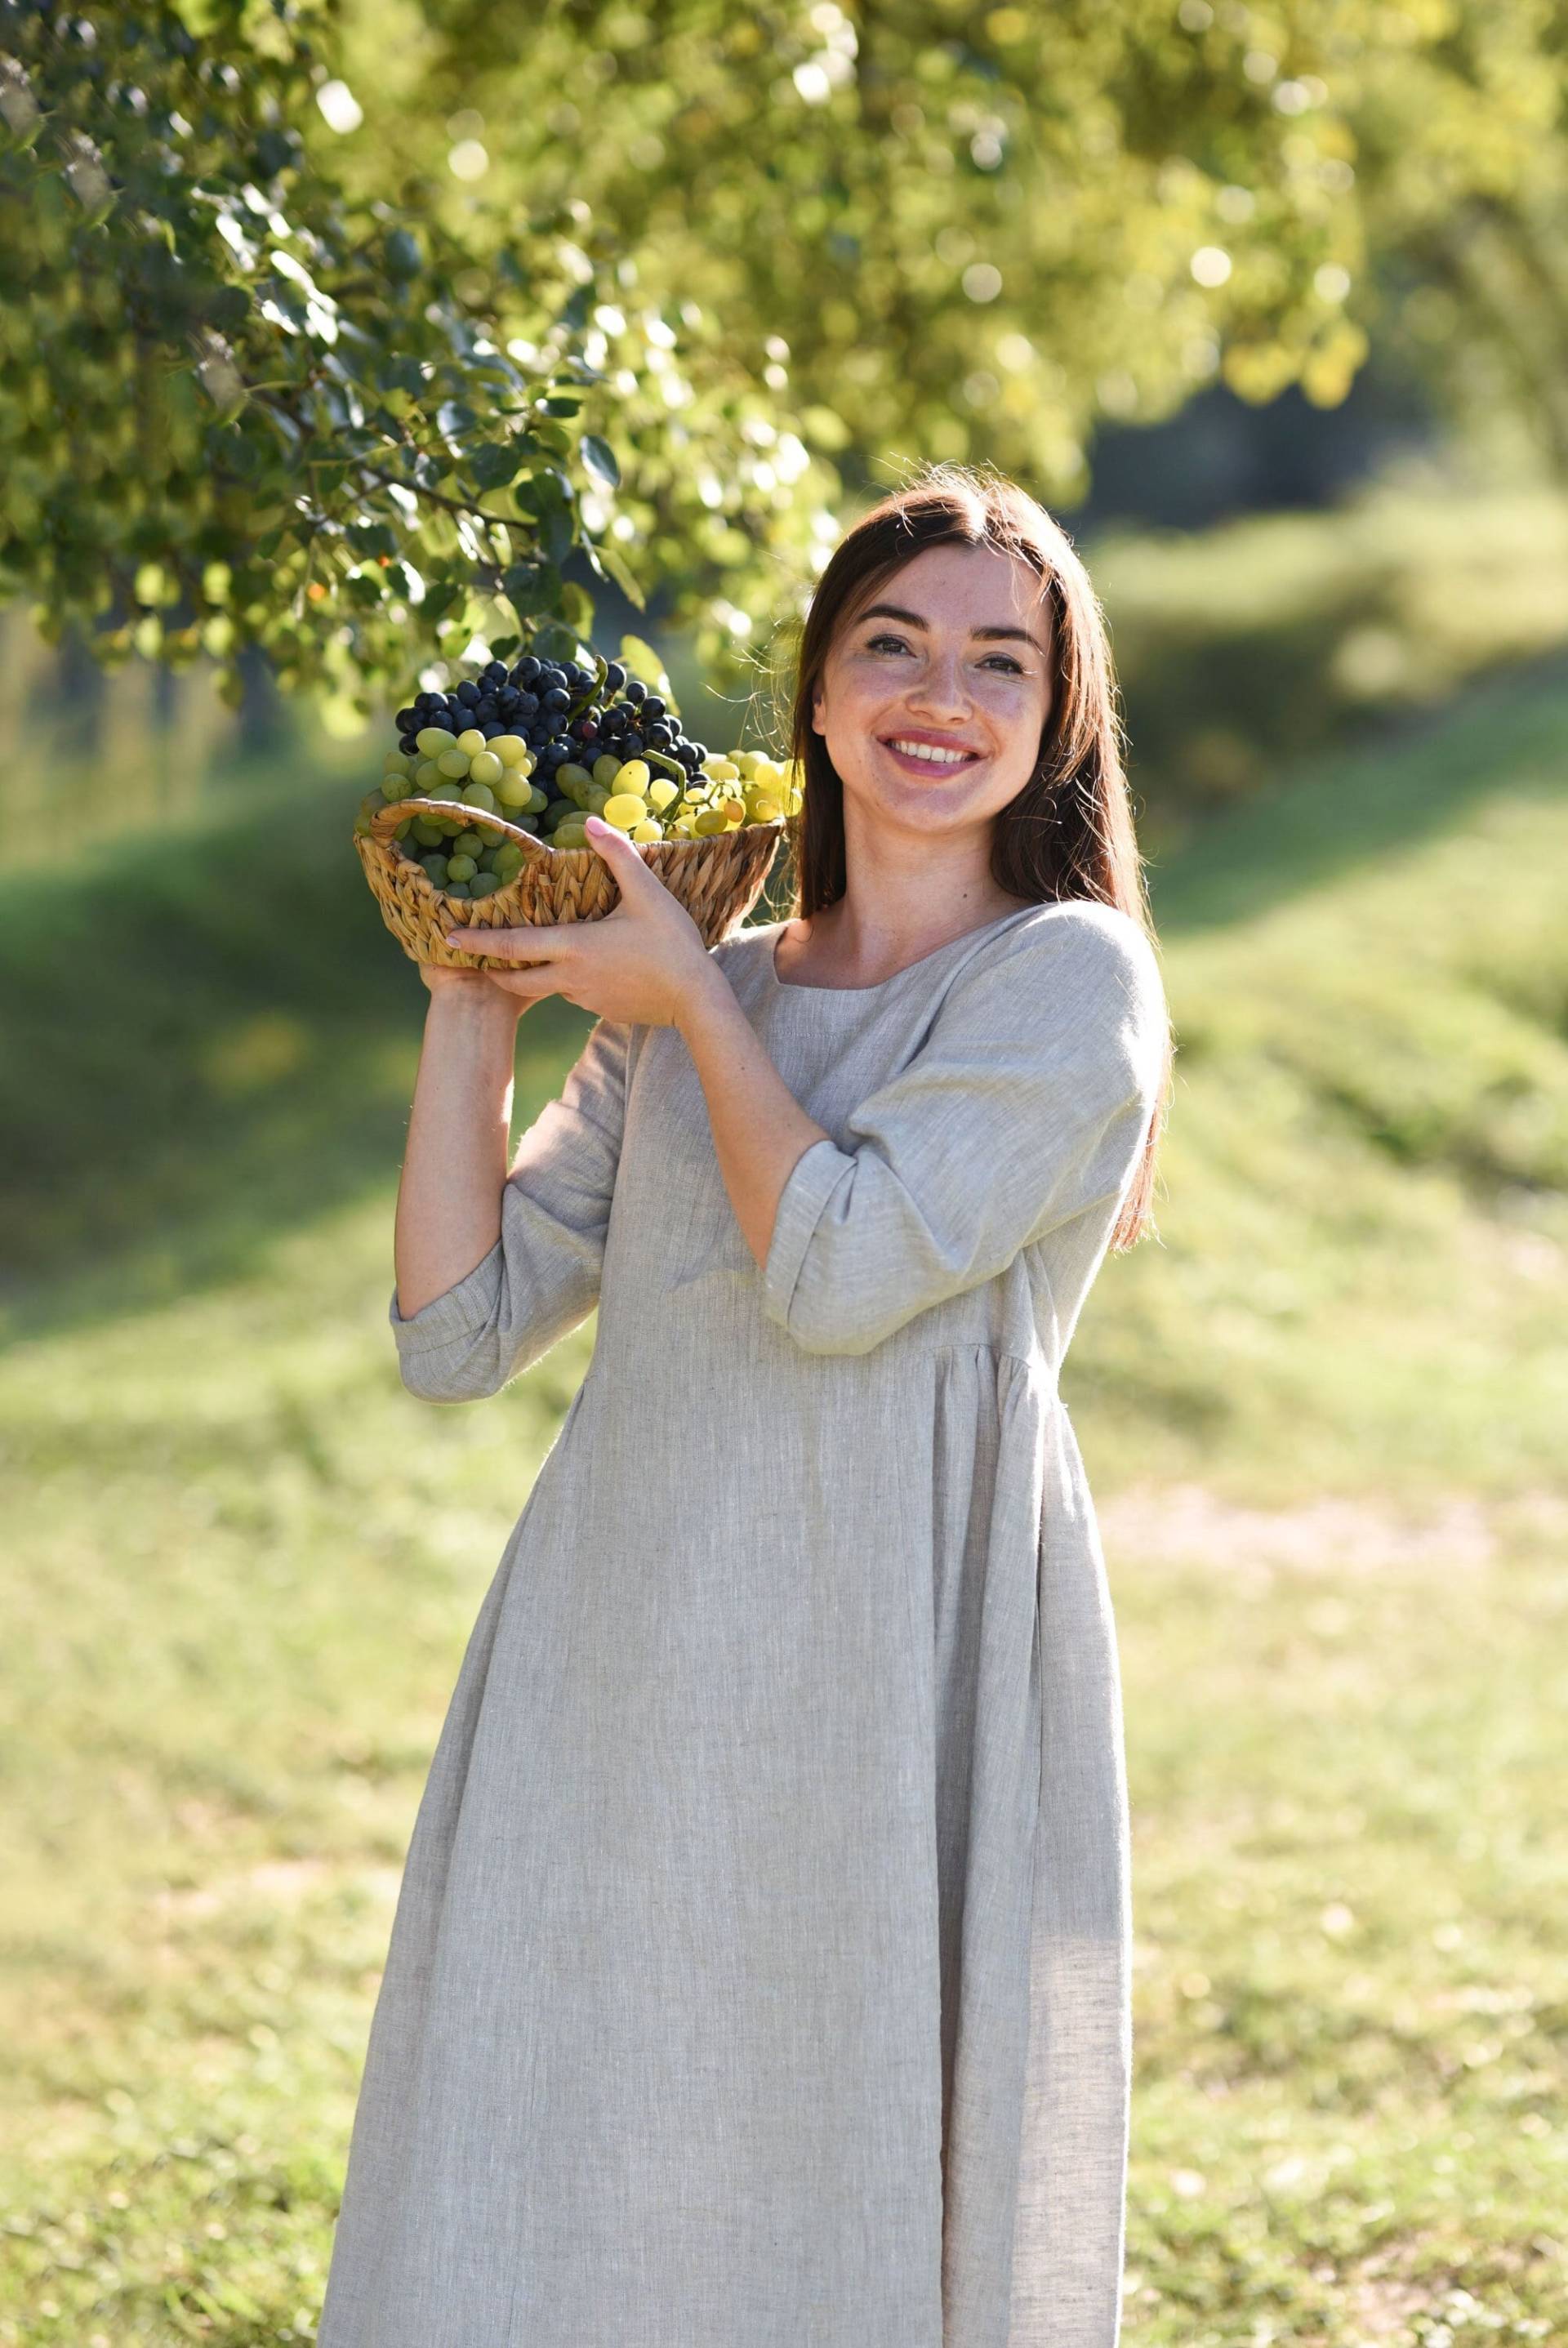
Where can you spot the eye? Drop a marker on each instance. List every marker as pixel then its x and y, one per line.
pixel 878 643
pixel 1011 667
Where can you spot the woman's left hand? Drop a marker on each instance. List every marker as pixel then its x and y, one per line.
pixel 638 966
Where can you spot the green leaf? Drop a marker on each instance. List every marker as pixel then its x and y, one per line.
pixel 531 588
pixel 492 464
pixel 599 458
pixel 404 257
pixel 644 661
pixel 577 606
pixel 613 563
pixel 558 641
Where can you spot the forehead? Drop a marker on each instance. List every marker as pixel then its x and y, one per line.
pixel 963 587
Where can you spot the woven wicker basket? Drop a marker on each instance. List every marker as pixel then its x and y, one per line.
pixel 718 879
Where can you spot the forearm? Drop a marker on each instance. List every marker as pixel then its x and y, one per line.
pixel 460 1131
pixel 759 1128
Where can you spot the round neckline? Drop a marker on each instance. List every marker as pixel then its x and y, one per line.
pixel 793 986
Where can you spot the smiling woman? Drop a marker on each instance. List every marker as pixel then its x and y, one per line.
pixel 761 1969
pixel 986 670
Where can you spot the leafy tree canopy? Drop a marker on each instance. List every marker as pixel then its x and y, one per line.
pixel 335 325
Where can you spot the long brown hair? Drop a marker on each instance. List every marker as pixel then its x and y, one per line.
pixel 1070 831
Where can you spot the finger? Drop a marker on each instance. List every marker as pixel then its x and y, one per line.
pixel 616 847
pixel 533 986
pixel 539 943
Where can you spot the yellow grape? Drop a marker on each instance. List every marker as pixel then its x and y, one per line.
pixel 510 750
pixel 635 776
pixel 427 775
pixel 486 767
pixel 624 809
pixel 662 792
pixel 471 740
pixel 434 739
pixel 647 829
pixel 454 764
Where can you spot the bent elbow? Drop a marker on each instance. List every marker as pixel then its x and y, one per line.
pixel 451 1374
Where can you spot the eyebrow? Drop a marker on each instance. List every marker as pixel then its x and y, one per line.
pixel 913 620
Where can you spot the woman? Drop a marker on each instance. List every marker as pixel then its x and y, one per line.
pixel 760 1972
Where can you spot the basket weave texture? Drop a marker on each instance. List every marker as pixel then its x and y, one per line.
pixel 718 879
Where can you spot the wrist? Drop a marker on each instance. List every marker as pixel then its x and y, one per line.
pixel 486 1008
pixel 708 994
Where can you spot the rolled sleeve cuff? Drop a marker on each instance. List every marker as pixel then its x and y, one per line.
pixel 814 1176
pixel 453 1317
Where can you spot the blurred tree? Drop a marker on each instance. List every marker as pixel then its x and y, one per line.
pixel 990 230
pixel 966 232
pixel 330 320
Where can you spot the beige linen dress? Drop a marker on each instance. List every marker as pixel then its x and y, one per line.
pixel 760 1977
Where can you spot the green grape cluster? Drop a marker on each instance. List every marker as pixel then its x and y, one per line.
pixel 486 769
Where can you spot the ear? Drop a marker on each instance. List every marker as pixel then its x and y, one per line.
pixel 817 725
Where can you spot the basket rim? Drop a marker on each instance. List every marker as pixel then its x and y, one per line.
pixel 387 853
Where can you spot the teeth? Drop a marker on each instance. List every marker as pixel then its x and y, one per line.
pixel 929 751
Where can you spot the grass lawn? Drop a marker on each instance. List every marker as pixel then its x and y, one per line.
pixel 1322 1414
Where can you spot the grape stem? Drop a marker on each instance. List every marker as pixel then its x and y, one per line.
pixel 590 693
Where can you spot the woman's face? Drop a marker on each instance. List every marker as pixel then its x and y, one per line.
pixel 934 695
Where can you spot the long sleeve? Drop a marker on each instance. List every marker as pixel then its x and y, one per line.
pixel 542 1276
pixel 1028 1102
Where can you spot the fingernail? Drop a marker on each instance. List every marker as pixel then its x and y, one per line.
pixel 596 823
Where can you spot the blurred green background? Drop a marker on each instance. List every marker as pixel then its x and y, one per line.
pixel 1324 494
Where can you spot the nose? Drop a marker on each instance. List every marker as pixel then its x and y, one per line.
pixel 940 691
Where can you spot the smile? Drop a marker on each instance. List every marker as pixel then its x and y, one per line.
pixel 929 754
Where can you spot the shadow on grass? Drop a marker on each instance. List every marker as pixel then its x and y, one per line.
pixel 1334 814
pixel 209 1040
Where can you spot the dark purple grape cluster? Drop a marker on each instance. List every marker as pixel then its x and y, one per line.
pixel 566 712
